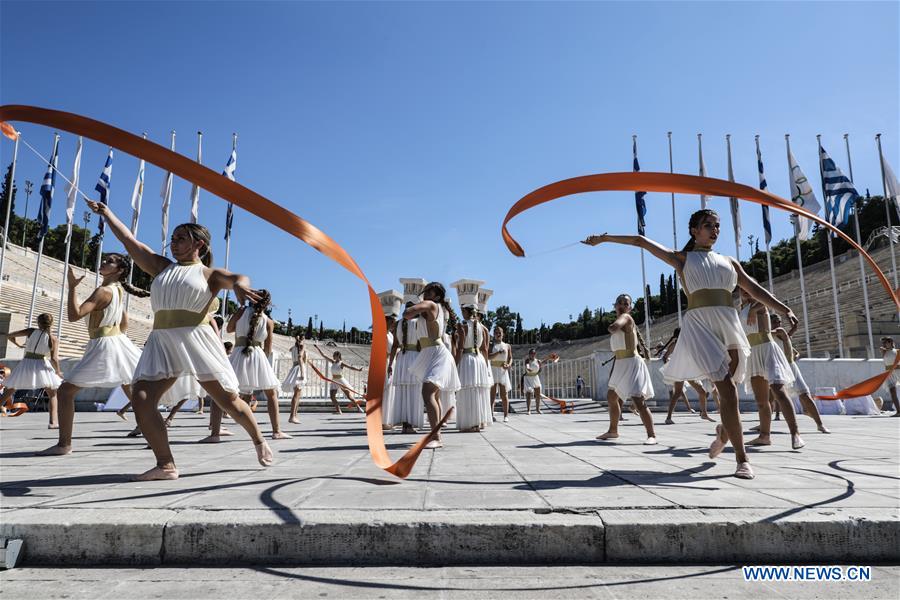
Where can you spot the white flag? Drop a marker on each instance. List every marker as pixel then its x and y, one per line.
pixel 72 190
pixel 703 199
pixel 166 195
pixel 802 194
pixel 892 186
pixel 136 195
pixel 195 189
pixel 735 206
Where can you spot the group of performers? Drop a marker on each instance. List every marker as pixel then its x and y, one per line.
pixel 436 362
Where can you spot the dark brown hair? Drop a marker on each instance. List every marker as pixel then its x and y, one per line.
pixel 125 264
pixel 265 298
pixel 696 221
pixel 200 233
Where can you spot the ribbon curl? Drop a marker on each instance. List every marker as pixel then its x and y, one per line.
pixel 270 212
pixel 695 185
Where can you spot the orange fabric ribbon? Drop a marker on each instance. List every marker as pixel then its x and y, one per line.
pixel 267 210
pixel 20 408
pixel 694 185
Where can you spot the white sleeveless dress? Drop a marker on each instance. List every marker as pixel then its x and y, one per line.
pixel 767 359
pixel 435 363
pixel 337 374
pixel 34 373
pixel 707 333
pixel 250 364
pixel 498 373
pixel 799 386
pixel 387 394
pixel 630 377
pixel 296 376
pixel 475 380
pixel 408 405
pixel 533 381
pixel 191 353
pixel 894 379
pixel 108 361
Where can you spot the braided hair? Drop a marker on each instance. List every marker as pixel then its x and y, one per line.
pixel 696 221
pixel 200 233
pixel 674 336
pixel 125 264
pixel 45 322
pixel 441 291
pixel 265 298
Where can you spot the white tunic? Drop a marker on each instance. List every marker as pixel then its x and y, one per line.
pixel 387 394
pixel 473 399
pixel 108 361
pixel 251 366
pixel 894 379
pixel 408 405
pixel 337 374
pixel 185 353
pixel 709 332
pixel 630 377
pixel 531 382
pixel 34 373
pixel 297 375
pixel 435 363
pixel 767 360
pixel 498 359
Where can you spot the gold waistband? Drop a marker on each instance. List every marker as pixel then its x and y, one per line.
pixel 498 363
pixel 170 319
pixel 105 331
pixel 623 354
pixel 709 297
pixel 531 373
pixel 470 350
pixel 411 347
pixel 338 376
pixel 35 355
pixel 428 342
pixel 757 339
pixel 243 341
pixel 886 367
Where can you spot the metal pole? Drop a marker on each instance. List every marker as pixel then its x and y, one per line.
pixel 787 142
pixel 837 314
pixel 9 201
pixel 37 269
pixel 887 208
pixel 862 266
pixel 674 234
pixel 87 219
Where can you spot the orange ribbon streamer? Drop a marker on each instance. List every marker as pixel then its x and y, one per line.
pixel 20 407
pixel 267 210
pixel 694 185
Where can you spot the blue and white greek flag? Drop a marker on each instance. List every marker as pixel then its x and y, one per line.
pixel 47 187
pixel 767 225
pixel 639 203
pixel 839 192
pixel 103 186
pixel 230 170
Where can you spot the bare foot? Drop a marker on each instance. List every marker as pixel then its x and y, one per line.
pixel 669 421
pixel 136 432
pixel 434 444
pixel 53 426
pixel 294 420
pixel 253 404
pixel 797 442
pixel 224 432
pixel 744 471
pixel 706 417
pixel 386 427
pixel 55 451
pixel 122 415
pixel 280 435
pixel 754 428
pixel 823 429
pixel 158 474
pixel 264 454
pixel 760 441
pixel 650 441
pixel 210 439
pixel 607 436
pixel 718 445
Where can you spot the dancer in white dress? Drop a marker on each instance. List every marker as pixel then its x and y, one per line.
pixel 677 387
pixel 712 344
pixel 769 371
pixel 888 355
pixel 799 386
pixel 296 377
pixel 501 359
pixel 531 381
pixel 408 408
pixel 391 301
pixel 39 369
pixel 630 377
pixel 434 365
pixel 474 373
pixel 336 367
pixel 181 345
pixel 110 357
pixel 253 345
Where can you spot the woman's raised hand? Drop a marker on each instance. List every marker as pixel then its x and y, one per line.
pixel 72 279
pixel 593 240
pixel 245 293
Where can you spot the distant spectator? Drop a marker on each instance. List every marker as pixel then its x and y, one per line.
pixel 579 385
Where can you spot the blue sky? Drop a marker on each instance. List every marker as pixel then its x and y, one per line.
pixel 407 130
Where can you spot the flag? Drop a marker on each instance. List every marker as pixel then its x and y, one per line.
pixel 103 186
pixel 166 195
pixel 72 189
pixel 137 195
pixel 229 172
pixel 47 188
pixel 767 225
pixel 703 199
pixel 195 189
pixel 735 205
pixel 839 192
pixel 639 203
pixel 891 185
pixel 803 195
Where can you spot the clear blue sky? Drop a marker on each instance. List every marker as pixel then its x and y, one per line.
pixel 406 131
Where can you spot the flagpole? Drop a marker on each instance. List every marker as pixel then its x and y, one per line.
pixel 12 184
pixel 765 221
pixel 837 313
pixel 37 266
pixel 674 234
pixel 135 215
pixel 735 207
pixel 702 168
pixel 167 197
pixel 643 268
pixel 787 142
pixel 862 266
pixel 228 243
pixel 62 292
pixel 887 208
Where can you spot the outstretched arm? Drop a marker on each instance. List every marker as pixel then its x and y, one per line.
pixel 425 307
pixel 619 324
pixel 319 350
pixel 145 258
pixel 220 279
pixel 670 257
pixel 761 294
pixel 232 322
pixel 270 336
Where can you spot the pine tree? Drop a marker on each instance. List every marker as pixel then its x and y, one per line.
pixel 309 329
pixel 321 330
pixel 663 295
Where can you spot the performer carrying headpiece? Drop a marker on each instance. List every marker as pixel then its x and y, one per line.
pixel 391 304
pixel 471 359
pixel 181 344
pixel 487 399
pixel 712 342
pixel 39 370
pixel 408 408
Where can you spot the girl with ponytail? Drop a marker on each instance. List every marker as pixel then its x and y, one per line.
pixel 712 344
pixel 293 383
pixel 474 373
pixel 40 367
pixel 182 347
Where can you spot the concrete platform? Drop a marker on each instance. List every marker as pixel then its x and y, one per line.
pixel 537 490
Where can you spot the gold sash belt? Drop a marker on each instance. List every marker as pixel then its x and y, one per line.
pixel 498 363
pixel 411 347
pixel 170 319
pixel 757 339
pixel 623 354
pixel 470 351
pixel 531 373
pixel 243 341
pixel 428 342
pixel 35 355
pixel 105 331
pixel 709 297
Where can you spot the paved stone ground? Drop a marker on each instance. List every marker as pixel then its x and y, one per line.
pixel 671 583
